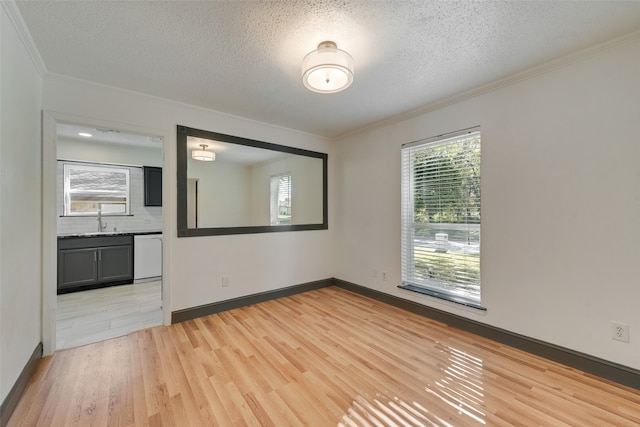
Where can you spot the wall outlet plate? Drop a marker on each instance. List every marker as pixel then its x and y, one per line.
pixel 620 331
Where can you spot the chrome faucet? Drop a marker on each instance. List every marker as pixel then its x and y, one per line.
pixel 101 227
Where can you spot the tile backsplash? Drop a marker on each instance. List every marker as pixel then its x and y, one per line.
pixel 142 218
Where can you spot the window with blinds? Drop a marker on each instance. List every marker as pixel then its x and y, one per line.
pixel 441 216
pixel 89 189
pixel 281 199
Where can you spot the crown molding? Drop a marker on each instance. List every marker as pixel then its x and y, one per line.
pixel 529 73
pixel 12 11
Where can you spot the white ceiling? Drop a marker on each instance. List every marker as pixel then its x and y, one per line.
pixel 244 57
pixel 107 136
pixel 233 153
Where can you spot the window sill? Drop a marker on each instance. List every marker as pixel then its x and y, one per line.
pixel 442 296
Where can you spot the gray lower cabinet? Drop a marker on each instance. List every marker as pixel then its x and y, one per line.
pixel 90 262
pixel 77 267
pixel 115 263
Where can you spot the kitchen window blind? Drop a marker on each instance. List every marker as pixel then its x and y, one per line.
pixel 89 189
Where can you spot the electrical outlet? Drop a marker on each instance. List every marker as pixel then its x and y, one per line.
pixel 225 281
pixel 620 331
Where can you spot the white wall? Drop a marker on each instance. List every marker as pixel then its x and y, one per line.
pixel 196 264
pixel 141 218
pixel 20 207
pixel 95 151
pixel 236 194
pixel 223 193
pixel 560 203
pixel 306 189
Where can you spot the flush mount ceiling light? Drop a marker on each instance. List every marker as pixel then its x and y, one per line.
pixel 327 69
pixel 204 155
pixel 85 134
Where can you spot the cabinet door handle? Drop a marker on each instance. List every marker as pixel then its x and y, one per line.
pixel 95 257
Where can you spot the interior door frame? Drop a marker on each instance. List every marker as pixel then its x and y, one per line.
pixel 50 119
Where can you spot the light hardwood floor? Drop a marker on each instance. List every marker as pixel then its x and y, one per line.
pixel 323 358
pixel 90 316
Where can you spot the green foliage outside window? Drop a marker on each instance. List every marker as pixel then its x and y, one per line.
pixel 458 201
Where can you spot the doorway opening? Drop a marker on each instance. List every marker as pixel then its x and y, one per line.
pixel 103 276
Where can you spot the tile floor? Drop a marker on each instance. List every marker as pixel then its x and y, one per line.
pixel 96 315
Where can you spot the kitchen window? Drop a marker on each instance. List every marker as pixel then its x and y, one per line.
pixel 441 217
pixel 90 189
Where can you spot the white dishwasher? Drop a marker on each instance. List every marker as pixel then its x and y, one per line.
pixel 147 252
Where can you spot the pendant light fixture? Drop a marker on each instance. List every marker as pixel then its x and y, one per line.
pixel 204 155
pixel 327 69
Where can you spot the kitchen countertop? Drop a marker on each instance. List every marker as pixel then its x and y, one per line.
pixel 109 234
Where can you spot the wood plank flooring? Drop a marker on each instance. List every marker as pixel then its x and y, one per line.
pixel 323 358
pixel 90 316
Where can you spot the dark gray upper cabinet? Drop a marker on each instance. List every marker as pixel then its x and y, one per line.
pixel 152 186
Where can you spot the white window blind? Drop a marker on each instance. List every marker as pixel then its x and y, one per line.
pixel 441 216
pixel 88 189
pixel 281 199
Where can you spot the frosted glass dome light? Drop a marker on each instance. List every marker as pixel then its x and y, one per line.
pixel 203 155
pixel 327 69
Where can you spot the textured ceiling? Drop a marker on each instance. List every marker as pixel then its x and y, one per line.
pixel 244 57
